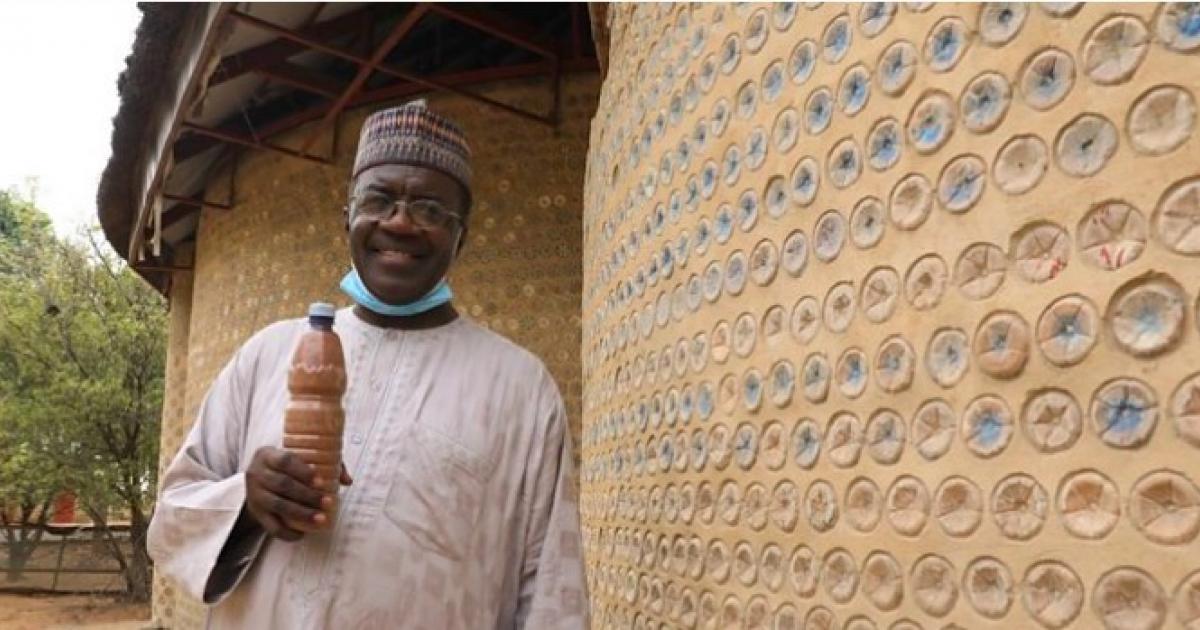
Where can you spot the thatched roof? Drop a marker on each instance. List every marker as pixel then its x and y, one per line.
pixel 151 70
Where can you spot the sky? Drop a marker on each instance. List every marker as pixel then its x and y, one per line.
pixel 59 62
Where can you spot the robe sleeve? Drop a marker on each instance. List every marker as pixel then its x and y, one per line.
pixel 553 590
pixel 204 490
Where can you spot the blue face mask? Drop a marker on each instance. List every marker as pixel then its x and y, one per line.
pixel 353 286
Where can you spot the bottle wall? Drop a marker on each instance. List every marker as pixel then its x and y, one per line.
pixel 890 317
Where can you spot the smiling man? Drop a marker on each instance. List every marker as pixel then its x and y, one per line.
pixel 461 512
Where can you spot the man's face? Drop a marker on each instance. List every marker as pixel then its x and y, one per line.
pixel 400 261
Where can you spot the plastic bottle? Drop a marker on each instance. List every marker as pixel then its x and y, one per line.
pixel 314 419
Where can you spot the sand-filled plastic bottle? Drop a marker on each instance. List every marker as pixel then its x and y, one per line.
pixel 314 418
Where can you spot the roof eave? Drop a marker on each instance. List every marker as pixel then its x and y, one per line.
pixel 173 52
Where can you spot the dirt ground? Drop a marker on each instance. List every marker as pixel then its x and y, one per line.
pixel 45 612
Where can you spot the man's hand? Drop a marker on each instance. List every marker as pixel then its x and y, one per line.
pixel 281 497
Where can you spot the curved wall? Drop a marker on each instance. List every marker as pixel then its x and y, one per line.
pixel 890 317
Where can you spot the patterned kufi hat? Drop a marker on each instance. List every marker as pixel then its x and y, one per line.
pixel 412 134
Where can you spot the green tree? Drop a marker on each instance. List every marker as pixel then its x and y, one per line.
pixel 27 477
pixel 88 338
pixel 27 488
pixel 21 222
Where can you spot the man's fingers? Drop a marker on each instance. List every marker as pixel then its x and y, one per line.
pixel 286 486
pixel 288 463
pixel 292 511
pixel 279 495
pixel 344 478
pixel 274 527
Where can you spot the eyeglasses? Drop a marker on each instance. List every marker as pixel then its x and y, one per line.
pixel 424 213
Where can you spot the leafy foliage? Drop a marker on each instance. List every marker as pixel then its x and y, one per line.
pixel 82 352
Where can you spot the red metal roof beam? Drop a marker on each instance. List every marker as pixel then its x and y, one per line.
pixel 302 78
pixel 399 31
pixel 366 66
pixel 177 213
pixel 225 136
pixel 298 38
pixel 434 84
pixel 393 91
pixel 499 26
pixel 195 202
pixel 275 51
pixel 160 268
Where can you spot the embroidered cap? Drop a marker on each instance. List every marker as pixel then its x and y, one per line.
pixel 412 134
